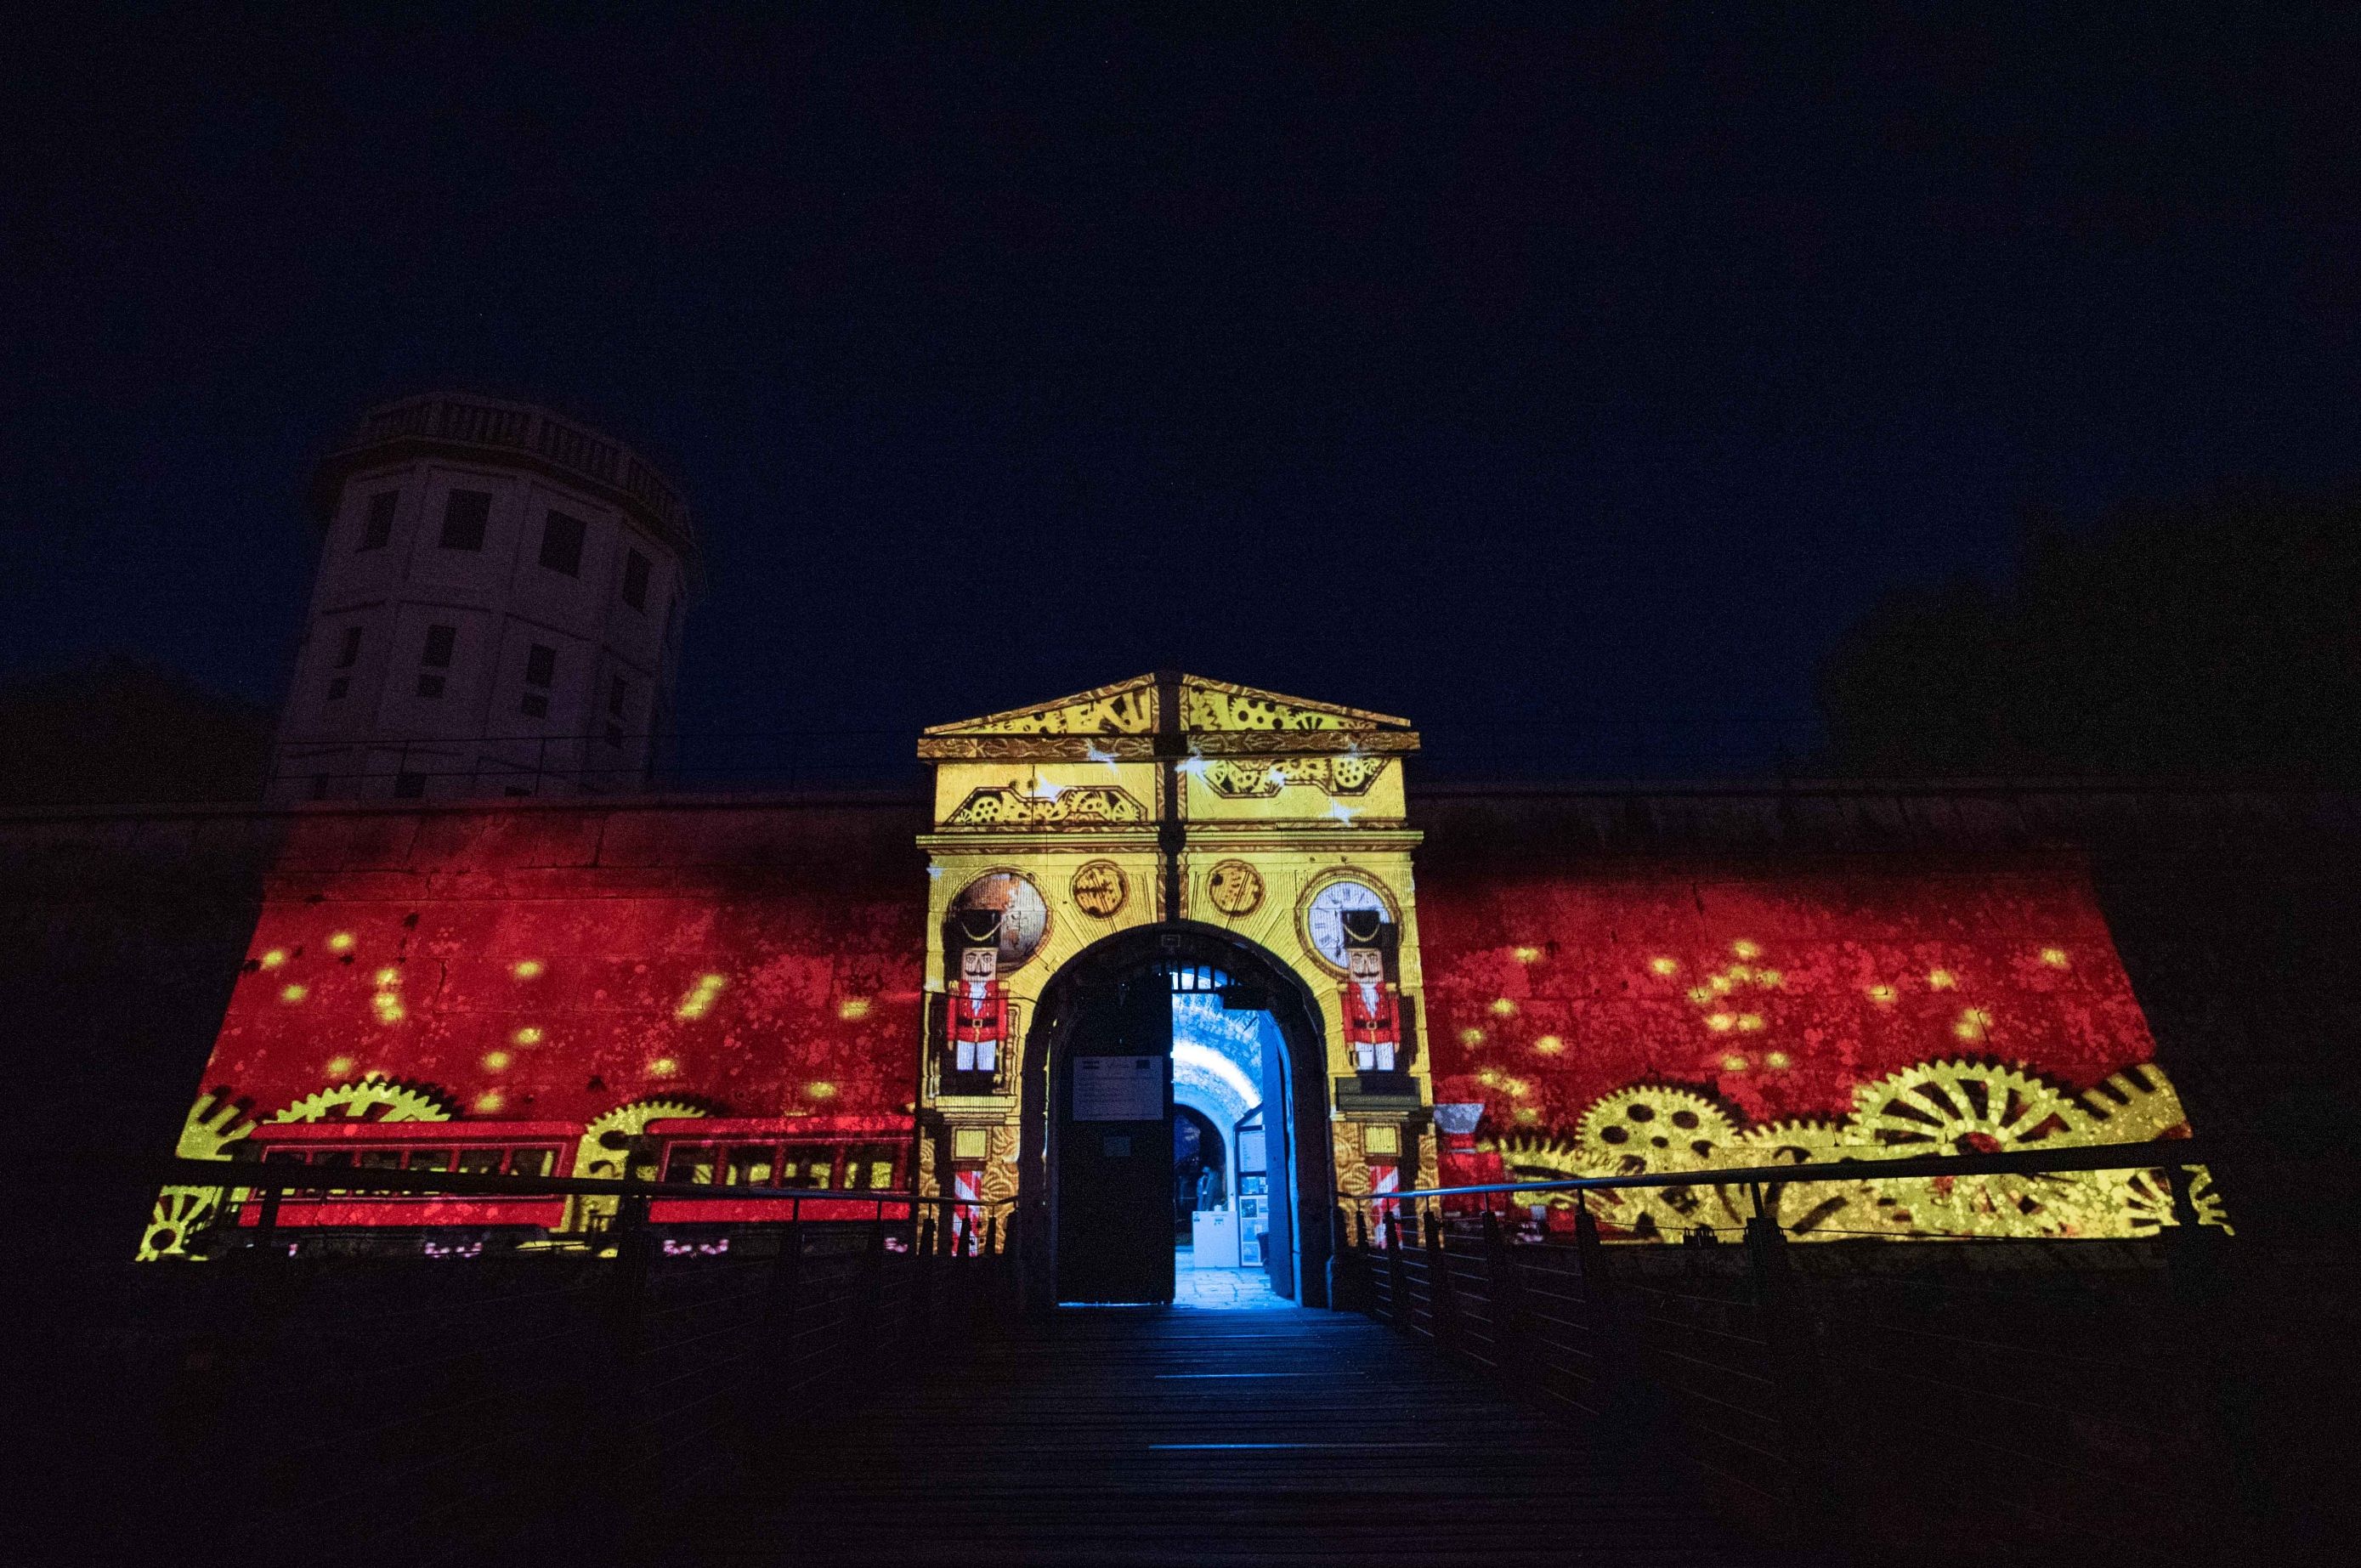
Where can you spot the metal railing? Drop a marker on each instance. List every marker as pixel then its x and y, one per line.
pixel 1868 1399
pixel 457 1401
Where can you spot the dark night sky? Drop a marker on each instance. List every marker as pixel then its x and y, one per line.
pixel 1482 376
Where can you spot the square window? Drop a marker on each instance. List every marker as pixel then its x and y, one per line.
pixel 338 688
pixel 481 1162
pixel 535 705
pixel 409 786
pixel 464 517
pixel 635 579
pixel 531 1162
pixel 439 642
pixel 540 665
pixel 377 527
pixel 561 543
pixel 350 649
pixel 430 685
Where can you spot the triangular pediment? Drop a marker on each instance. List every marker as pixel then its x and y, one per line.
pixel 1212 717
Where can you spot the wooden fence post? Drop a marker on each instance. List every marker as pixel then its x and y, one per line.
pixel 1815 1510
pixel 1397 1283
pixel 1500 1272
pixel 1442 1295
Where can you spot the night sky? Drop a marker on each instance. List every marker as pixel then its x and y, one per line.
pixel 1497 378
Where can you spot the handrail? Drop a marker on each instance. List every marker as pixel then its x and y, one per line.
pixel 2085 1157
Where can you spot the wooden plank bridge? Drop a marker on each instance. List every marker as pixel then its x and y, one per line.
pixel 1146 1435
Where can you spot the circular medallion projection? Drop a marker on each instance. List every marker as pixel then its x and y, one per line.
pixel 1002 904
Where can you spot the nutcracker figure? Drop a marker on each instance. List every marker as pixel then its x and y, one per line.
pixel 1372 1011
pixel 978 1013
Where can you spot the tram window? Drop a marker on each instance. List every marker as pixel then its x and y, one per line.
pixel 340 1157
pixel 284 1156
pixel 749 1165
pixel 381 1159
pixel 870 1166
pixel 480 1162
pixel 693 1163
pixel 430 1159
pixel 807 1168
pixel 531 1162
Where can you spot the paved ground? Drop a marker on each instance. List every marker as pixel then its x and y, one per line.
pixel 1231 1289
pixel 1112 1436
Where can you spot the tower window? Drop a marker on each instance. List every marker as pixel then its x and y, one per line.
pixel 464 517
pixel 439 642
pixel 377 527
pixel 350 649
pixel 540 671
pixel 561 543
pixel 635 579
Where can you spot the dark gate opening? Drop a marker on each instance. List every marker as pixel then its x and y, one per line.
pixel 1098 1173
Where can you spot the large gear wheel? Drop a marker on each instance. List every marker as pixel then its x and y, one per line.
pixel 1968 1107
pixel 182 1213
pixel 1646 1129
pixel 1650 1127
pixel 604 1152
pixel 371 1099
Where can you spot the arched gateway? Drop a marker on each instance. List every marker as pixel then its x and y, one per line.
pixel 1096 857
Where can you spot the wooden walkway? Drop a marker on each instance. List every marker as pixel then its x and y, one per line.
pixel 1145 1435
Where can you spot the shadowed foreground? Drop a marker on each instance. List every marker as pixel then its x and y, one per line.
pixel 1148 1435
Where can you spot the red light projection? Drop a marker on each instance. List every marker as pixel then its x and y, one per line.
pixel 1778 996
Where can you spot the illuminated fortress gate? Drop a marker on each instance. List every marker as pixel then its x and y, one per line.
pixel 1174 903
pixel 1092 858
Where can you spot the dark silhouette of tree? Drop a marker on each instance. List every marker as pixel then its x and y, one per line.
pixel 2214 638
pixel 121 732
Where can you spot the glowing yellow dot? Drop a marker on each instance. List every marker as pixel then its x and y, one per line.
pixel 495 1061
pixel 1739 974
pixel 274 958
pixel 853 1009
pixel 2053 957
pixel 1733 1064
pixel 1768 977
pixel 1941 978
pixel 388 976
pixel 1721 984
pixel 1750 1022
pixel 1746 949
pixel 821 1091
pixel 663 1067
pixel 1489 1077
pixel 528 1036
pixel 341 942
pixel 1503 1008
pixel 1549 1045
pixel 1664 966
pixel 712 982
pixel 1972 1023
pixel 526 969
pixel 389 1009
pixel 1881 994
pixel 294 994
pixel 489 1100
pixel 1722 1022
pixel 1517 1087
pixel 1471 1036
pixel 1528 955
pixel 339 1066
pixel 1528 1115
pixel 1777 1060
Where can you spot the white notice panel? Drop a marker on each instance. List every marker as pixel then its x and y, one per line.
pixel 1118 1089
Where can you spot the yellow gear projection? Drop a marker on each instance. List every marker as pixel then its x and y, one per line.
pixel 596 1156
pixel 212 1124
pixel 373 1098
pixel 1646 1129
pixel 1968 1107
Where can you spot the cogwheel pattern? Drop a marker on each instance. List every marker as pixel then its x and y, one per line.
pixel 1817 1208
pixel 1968 1107
pixel 182 1213
pixel 2136 1105
pixel 373 1098
pixel 1648 1128
pixel 2141 1200
pixel 604 1152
